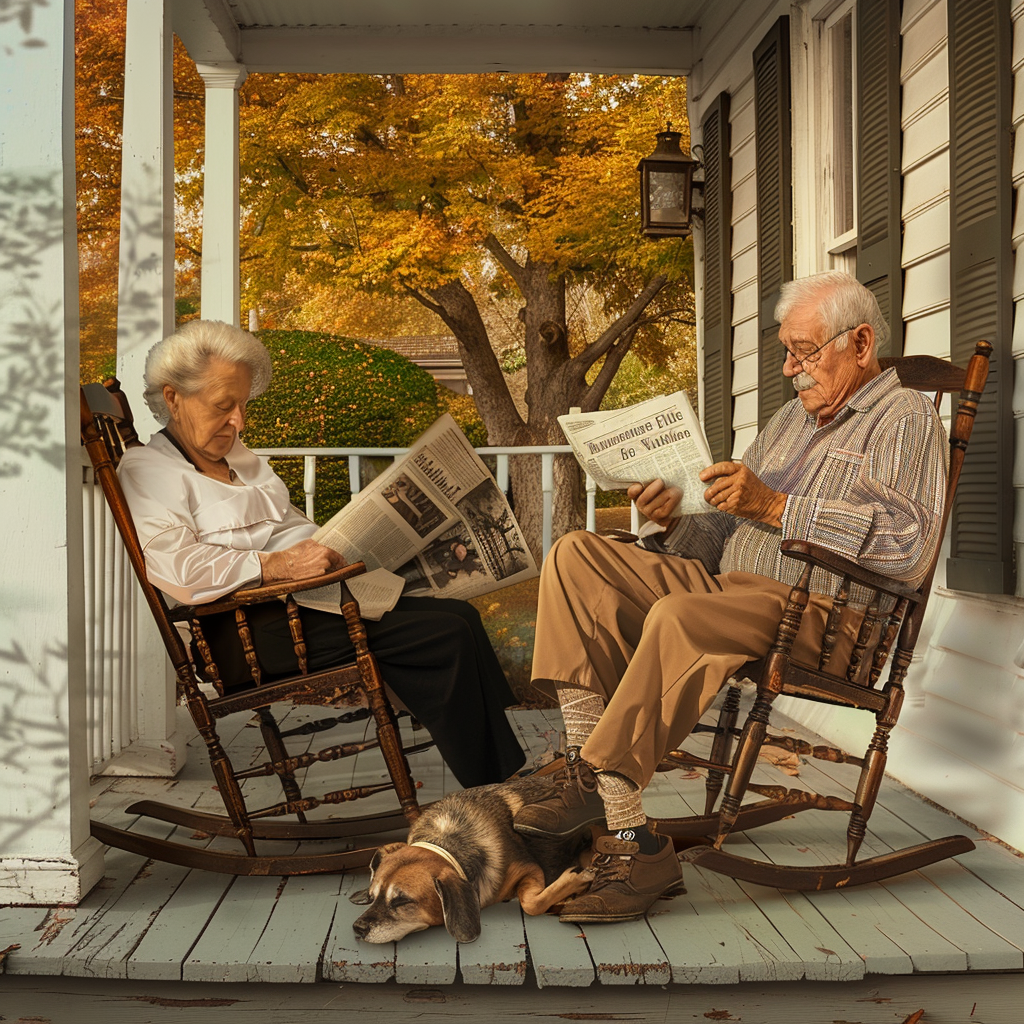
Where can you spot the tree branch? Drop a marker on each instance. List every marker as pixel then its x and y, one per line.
pixel 300 183
pixel 610 366
pixel 629 319
pixel 505 260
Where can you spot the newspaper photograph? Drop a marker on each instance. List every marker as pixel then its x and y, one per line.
pixel 659 438
pixel 436 521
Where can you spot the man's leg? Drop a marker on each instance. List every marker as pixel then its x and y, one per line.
pixel 677 634
pixel 594 596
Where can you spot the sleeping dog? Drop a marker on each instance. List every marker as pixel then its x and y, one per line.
pixel 463 854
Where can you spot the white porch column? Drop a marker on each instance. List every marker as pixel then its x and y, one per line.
pixel 46 853
pixel 145 314
pixel 220 298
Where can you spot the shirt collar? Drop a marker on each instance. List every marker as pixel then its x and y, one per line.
pixel 866 395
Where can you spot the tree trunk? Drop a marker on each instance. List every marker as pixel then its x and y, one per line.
pixel 556 382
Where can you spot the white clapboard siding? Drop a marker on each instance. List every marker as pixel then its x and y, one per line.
pixel 925 125
pixel 744 256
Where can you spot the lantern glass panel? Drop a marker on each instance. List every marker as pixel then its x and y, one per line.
pixel 666 199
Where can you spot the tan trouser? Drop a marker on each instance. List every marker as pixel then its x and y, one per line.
pixel 655 636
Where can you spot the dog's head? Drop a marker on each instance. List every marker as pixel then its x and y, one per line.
pixel 411 889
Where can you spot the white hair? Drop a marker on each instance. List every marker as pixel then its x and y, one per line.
pixel 841 301
pixel 182 360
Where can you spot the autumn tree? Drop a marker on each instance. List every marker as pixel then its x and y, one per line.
pixel 457 190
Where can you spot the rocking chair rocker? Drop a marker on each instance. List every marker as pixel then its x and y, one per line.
pixel 107 430
pixel 894 614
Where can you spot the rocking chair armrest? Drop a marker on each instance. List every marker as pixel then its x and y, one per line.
pixel 256 595
pixel 815 554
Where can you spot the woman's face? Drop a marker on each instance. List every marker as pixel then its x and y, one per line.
pixel 209 421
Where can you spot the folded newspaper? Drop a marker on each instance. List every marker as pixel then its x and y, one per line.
pixel 657 439
pixel 434 523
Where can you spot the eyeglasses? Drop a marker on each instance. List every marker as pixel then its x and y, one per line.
pixel 812 358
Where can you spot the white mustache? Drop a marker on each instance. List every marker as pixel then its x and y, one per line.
pixel 802 381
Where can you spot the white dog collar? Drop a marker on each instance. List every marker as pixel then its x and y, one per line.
pixel 446 855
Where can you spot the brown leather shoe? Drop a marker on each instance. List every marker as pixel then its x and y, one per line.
pixel 577 804
pixel 627 883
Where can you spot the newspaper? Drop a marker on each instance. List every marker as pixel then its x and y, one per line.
pixel 657 439
pixel 436 520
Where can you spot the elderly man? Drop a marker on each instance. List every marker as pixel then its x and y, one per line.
pixel 636 640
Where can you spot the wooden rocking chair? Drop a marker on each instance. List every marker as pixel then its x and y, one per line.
pixel 107 430
pixel 894 614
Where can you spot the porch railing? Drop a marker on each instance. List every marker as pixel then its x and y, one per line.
pixel 112 655
pixel 110 631
pixel 501 455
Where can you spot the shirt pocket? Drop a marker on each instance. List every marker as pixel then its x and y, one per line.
pixel 840 471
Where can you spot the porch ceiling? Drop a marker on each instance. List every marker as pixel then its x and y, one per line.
pixel 453 36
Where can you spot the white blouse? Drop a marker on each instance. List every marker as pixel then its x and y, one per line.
pixel 201 536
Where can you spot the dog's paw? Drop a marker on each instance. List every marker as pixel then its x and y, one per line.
pixel 361 897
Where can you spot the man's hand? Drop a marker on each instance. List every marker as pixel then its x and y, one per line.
pixel 739 491
pixel 656 501
pixel 299 562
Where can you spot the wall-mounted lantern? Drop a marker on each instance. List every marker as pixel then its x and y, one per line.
pixel 666 188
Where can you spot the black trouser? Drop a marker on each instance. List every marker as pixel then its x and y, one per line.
pixel 434 654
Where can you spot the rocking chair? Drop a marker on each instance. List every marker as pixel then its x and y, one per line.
pixel 893 614
pixel 107 431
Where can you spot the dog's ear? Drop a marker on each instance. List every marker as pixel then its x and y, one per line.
pixel 361 897
pixel 461 907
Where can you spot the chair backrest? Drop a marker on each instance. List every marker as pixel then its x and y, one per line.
pixel 108 430
pixel 939 377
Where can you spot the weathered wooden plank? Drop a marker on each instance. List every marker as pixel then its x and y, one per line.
pixel 761 914
pixel 498 957
pixel 559 952
pixel 426 958
pixel 701 944
pixel 17 925
pixel 627 954
pixel 345 958
pixel 63 928
pixel 290 948
pixel 177 927
pixel 104 950
pixel 227 943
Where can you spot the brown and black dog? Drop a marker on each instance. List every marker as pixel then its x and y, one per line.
pixel 463 854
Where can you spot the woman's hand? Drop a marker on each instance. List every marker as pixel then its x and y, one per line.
pixel 656 502
pixel 736 489
pixel 299 562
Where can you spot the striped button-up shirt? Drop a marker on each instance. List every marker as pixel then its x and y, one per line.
pixel 868 485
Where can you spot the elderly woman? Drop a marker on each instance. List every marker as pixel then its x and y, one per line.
pixel 213 517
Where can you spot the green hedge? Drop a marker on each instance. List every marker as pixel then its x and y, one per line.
pixel 336 392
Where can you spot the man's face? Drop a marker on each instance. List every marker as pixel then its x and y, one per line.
pixel 827 377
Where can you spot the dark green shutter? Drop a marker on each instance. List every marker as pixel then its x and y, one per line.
pixel 879 177
pixel 773 147
pixel 981 304
pixel 717 411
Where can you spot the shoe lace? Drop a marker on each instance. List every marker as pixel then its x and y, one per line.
pixel 575 777
pixel 610 868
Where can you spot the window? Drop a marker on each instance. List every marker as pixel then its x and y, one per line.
pixel 836 143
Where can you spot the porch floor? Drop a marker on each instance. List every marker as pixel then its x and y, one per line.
pixel 153 921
